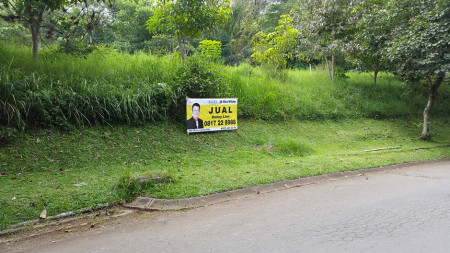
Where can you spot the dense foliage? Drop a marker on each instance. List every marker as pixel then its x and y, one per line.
pixel 106 87
pixel 408 38
pixel 186 19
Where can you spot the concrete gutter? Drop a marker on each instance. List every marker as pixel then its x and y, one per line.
pixel 152 204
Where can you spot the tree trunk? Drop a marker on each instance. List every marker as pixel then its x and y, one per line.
pixel 181 47
pixel 328 68
pixel 333 74
pixel 375 71
pixel 35 38
pixel 375 74
pixel 278 65
pixel 35 27
pixel 427 112
pixel 67 44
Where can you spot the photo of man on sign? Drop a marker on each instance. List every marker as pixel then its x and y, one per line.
pixel 194 122
pixel 211 114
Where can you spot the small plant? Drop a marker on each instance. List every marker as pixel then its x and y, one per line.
pixel 276 47
pixel 7 134
pixel 128 187
pixel 293 147
pixel 210 49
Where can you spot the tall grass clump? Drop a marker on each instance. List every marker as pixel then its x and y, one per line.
pixel 104 87
pixel 309 95
pixel 107 87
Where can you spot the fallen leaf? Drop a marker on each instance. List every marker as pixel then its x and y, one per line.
pixel 14 198
pixel 80 184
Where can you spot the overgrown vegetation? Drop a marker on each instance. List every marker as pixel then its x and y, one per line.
pixel 107 87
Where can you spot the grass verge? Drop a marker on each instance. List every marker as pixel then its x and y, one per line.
pixel 39 171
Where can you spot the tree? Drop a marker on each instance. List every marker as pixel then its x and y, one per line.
pixel 276 47
pixel 31 13
pixel 14 33
pixel 369 36
pixel 188 18
pixel 78 27
pixel 248 18
pixel 324 23
pixel 421 47
pixel 236 34
pixel 129 25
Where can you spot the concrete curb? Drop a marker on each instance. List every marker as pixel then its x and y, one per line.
pixel 152 204
pixel 56 220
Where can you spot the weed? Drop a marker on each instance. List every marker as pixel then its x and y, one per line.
pixel 293 147
pixel 128 187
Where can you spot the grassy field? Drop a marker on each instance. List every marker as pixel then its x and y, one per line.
pixel 39 170
pixel 106 117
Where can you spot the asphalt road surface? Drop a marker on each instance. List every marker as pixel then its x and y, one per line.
pixel 401 210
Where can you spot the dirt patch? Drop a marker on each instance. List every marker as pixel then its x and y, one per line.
pixel 53 231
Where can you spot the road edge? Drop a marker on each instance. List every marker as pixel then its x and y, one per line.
pixel 152 204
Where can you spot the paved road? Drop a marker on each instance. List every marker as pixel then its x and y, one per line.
pixel 402 210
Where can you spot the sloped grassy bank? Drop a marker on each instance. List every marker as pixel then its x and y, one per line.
pixel 107 117
pixel 109 88
pixel 39 170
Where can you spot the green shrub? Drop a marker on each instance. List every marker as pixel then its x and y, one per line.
pixel 210 49
pixel 197 78
pixel 128 187
pixel 292 147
